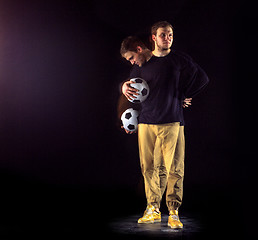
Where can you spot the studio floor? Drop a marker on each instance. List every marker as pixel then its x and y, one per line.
pixel 37 211
pixel 81 225
pixel 117 228
pixel 128 226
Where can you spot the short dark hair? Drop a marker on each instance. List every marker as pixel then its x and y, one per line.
pixel 160 24
pixel 130 44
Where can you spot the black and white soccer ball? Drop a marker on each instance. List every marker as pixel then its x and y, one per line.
pixel 143 88
pixel 130 119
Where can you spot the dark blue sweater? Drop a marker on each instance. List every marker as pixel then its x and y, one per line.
pixel 171 79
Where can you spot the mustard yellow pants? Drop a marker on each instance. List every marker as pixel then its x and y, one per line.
pixel 161 149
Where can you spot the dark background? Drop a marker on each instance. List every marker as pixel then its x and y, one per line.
pixel 62 156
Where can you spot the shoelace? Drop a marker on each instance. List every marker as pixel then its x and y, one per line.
pixel 174 217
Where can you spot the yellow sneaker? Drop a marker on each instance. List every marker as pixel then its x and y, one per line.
pixel 173 220
pixel 150 215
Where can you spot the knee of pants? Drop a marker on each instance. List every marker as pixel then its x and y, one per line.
pixel 177 170
pixel 147 170
pixel 178 174
pixel 162 171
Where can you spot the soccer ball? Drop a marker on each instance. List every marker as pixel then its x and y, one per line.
pixel 143 88
pixel 130 119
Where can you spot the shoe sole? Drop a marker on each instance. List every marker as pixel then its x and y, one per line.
pixel 178 227
pixel 155 221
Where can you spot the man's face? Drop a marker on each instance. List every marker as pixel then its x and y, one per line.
pixel 135 57
pixel 163 38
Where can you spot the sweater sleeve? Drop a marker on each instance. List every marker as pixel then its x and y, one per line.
pixel 193 79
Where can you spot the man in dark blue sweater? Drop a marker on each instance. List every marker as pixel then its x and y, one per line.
pixel 174 78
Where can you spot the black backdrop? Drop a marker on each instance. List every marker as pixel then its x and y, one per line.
pixel 61 150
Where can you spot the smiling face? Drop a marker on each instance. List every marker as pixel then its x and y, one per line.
pixel 137 58
pixel 163 39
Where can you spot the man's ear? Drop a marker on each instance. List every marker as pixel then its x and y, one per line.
pixel 139 49
pixel 153 37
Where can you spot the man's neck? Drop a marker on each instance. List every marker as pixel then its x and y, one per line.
pixel 148 55
pixel 161 53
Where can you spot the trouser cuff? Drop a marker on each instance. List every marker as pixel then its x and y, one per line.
pixel 173 205
pixel 154 204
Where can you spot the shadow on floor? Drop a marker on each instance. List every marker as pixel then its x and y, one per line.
pixel 128 226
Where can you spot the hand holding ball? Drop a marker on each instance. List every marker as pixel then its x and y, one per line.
pixel 136 90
